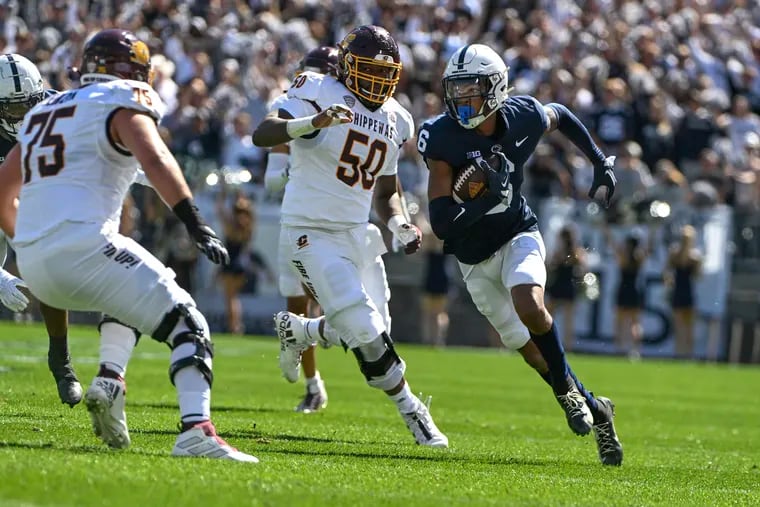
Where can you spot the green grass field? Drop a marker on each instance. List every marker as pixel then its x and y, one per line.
pixel 691 433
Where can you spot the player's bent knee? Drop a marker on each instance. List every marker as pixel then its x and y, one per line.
pixel 514 336
pixel 357 324
pixel 380 364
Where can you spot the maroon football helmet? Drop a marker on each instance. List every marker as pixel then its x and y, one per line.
pixel 116 52
pixel 369 64
pixel 323 60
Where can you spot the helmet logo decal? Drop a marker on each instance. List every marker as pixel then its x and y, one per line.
pixel 141 53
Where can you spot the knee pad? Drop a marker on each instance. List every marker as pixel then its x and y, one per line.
pixel 380 364
pixel 181 318
pixel 514 335
pixel 106 319
pixel 358 324
pixel 185 324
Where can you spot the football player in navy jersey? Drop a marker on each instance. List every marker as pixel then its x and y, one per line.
pixel 21 87
pixel 495 236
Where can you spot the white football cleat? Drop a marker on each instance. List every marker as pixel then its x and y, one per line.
pixel 425 432
pixel 293 341
pixel 201 441
pixel 105 400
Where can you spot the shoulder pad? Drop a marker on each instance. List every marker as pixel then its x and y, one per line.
pixel 436 136
pixel 306 86
pixel 276 102
pixel 132 95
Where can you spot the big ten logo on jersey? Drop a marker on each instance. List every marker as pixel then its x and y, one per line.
pixel 363 154
pixel 123 257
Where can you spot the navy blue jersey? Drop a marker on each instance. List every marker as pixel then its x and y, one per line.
pixel 522 122
pixel 6 143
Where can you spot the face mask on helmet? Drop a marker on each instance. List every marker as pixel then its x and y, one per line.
pixel 474 85
pixel 369 65
pixel 115 54
pixel 20 90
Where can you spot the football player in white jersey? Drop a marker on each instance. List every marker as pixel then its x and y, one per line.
pixel 21 88
pixel 78 153
pixel 345 136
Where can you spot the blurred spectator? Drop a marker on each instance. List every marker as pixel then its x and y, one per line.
pixel 612 121
pixel 696 132
pixel 565 271
pixel 657 134
pixel 239 152
pixel 630 255
pixel 435 286
pixel 238 223
pixel 684 262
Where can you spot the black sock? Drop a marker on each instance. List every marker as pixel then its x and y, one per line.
pixel 554 355
pixel 58 346
pixel 546 376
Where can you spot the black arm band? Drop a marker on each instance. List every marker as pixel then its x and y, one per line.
pixel 187 212
pixel 449 219
pixel 572 128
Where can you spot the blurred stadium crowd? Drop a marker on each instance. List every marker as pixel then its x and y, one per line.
pixel 672 87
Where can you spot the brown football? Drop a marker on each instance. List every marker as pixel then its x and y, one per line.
pixel 470 183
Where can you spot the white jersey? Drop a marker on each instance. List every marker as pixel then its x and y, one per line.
pixel 73 170
pixel 333 171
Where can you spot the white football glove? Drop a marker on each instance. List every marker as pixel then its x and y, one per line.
pixel 10 296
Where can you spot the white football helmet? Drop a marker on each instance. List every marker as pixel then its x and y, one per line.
pixel 21 89
pixel 474 71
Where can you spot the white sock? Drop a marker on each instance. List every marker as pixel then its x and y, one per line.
pixel 117 342
pixel 328 335
pixel 193 392
pixel 405 400
pixel 313 380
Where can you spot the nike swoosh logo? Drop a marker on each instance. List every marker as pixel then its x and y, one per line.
pixel 519 143
pixel 461 212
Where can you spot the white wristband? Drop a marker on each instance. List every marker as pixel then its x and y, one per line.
pixel 299 127
pixel 394 224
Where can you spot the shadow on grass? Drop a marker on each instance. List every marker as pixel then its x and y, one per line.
pixel 76 449
pixel 215 408
pixel 436 455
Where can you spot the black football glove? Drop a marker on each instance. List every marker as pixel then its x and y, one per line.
pixel 209 243
pixel 604 176
pixel 498 177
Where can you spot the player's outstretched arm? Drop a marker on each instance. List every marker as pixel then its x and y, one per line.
pixel 562 119
pixel 139 134
pixel 280 127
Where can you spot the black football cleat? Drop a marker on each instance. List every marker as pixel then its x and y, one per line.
pixel 610 448
pixel 69 388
